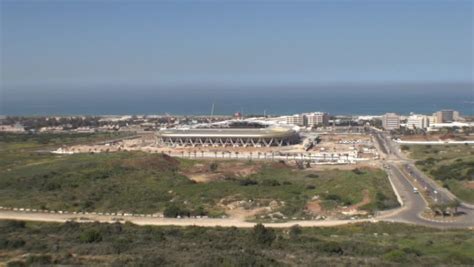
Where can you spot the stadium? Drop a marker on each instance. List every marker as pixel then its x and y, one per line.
pixel 235 137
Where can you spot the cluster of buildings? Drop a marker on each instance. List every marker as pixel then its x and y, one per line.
pixel 439 119
pixel 308 119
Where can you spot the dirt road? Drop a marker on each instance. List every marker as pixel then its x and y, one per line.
pixel 204 222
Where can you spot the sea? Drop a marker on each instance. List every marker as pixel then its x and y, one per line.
pixel 203 99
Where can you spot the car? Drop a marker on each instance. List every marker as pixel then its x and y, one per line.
pixel 415 190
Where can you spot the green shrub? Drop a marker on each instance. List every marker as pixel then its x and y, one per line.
pixel 262 235
pixel 247 182
pixel 39 260
pixel 395 256
pixel 16 263
pixel 90 236
pixel 270 182
pixel 173 211
pixel 295 231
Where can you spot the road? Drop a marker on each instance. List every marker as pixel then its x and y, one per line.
pixel 405 176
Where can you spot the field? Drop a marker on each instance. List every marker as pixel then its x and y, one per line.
pixel 450 165
pixel 138 182
pixel 126 244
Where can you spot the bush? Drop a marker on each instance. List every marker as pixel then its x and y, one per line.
pixel 295 231
pixel 262 235
pixel 270 182
pixel 247 182
pixel 457 258
pixel 14 224
pixel 16 263
pixel 91 236
pixel 395 256
pixel 332 247
pixel 13 243
pixel 333 197
pixel 38 260
pixel 213 167
pixel 173 211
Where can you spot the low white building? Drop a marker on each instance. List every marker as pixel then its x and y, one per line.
pixel 437 126
pixel 17 128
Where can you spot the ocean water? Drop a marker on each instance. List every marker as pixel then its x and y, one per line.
pixel 274 100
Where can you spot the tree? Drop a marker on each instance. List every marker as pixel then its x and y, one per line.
pixel 295 231
pixel 454 205
pixel 172 211
pixel 262 235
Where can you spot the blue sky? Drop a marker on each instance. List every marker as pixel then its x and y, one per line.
pixel 82 42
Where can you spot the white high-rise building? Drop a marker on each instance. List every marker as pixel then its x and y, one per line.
pixel 391 121
pixel 317 118
pixel 416 121
pixel 432 120
pixel 446 115
pixel 297 119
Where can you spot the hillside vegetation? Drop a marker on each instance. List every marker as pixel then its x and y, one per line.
pixel 130 245
pixel 451 165
pixel 138 182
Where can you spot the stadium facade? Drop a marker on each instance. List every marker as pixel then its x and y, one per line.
pixel 235 137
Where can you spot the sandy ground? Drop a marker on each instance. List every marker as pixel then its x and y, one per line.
pixel 470 185
pixel 314 207
pixel 201 172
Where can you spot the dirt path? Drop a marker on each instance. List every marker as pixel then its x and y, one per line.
pixel 208 222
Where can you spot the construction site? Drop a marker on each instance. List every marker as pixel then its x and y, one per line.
pixel 244 141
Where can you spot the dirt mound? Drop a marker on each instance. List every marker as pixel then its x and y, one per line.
pixel 212 171
pixel 235 207
pixel 314 207
pixel 205 177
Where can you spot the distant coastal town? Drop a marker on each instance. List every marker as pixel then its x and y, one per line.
pixel 443 120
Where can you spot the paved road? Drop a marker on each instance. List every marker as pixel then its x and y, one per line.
pixel 405 176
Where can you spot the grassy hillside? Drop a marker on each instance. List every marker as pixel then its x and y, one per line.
pixel 130 245
pixel 139 182
pixel 451 165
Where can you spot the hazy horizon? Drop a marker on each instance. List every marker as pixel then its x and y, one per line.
pixel 375 98
pixel 100 57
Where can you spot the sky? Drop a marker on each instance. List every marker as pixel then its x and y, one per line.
pixel 265 42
